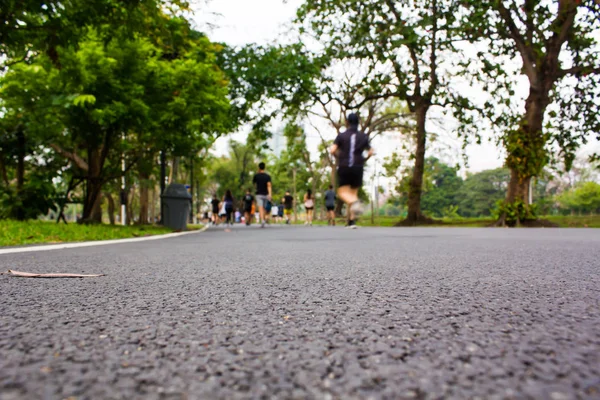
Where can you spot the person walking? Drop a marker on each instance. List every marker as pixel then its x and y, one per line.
pixel 309 204
pixel 248 203
pixel 330 205
pixel 288 202
pixel 262 182
pixel 215 209
pixel 349 147
pixel 274 212
pixel 280 208
pixel 228 205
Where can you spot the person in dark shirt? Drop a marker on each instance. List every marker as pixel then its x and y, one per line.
pixel 349 147
pixel 248 200
pixel 262 182
pixel 228 202
pixel 330 205
pixel 288 202
pixel 215 209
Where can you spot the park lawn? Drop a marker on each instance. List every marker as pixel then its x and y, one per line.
pixel 575 221
pixel 562 221
pixel 16 233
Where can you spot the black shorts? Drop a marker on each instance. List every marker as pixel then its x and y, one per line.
pixel 351 176
pixel 330 208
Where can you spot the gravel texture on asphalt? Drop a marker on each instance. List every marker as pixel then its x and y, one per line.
pixel 309 313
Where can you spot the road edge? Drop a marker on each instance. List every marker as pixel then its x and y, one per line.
pixel 62 246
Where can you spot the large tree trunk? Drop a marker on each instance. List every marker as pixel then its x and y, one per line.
pixel 416 183
pixel 111 207
pixel 21 150
pixel 3 172
pixel 518 188
pixel 174 171
pixel 144 196
pixel 97 210
pixel 153 206
pixel 92 210
pixel 526 147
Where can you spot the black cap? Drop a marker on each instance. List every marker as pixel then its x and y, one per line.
pixel 352 119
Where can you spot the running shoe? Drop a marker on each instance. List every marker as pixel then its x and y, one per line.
pixel 351 225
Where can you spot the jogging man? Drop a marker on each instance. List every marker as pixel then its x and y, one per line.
pixel 330 205
pixel 348 147
pixel 248 200
pixel 288 202
pixel 262 181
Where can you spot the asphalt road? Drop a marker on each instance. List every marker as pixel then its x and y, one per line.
pixel 309 313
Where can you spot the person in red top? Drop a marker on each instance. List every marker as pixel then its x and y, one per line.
pixel 349 147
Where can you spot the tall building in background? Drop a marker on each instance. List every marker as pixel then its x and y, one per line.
pixel 278 142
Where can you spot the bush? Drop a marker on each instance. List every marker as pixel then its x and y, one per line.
pixel 36 198
pixel 515 213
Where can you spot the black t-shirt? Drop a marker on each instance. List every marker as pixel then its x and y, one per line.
pixel 351 145
pixel 329 198
pixel 261 180
pixel 288 201
pixel 215 205
pixel 248 199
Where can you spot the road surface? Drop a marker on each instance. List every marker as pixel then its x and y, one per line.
pixel 309 313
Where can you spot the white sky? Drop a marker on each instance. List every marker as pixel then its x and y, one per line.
pixel 239 22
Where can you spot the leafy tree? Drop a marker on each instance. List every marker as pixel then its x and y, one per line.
pixel 402 43
pixel 584 198
pixel 114 85
pixel 442 186
pixel 111 76
pixel 481 191
pixel 266 81
pixel 27 169
pixel 557 43
pixel 234 172
pixel 31 27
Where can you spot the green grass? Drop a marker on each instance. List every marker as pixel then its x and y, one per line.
pixel 575 221
pixel 14 233
pixel 561 221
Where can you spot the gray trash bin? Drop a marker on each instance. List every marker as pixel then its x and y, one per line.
pixel 176 206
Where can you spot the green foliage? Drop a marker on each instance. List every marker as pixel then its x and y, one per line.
pixel 557 43
pixel 36 198
pixel 233 172
pixel 515 213
pixel 482 191
pixel 442 187
pixel 125 95
pixel 400 45
pixel 30 28
pixel 584 198
pixel 266 81
pixel 450 212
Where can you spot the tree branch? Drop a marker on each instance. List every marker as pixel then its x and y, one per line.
pixel 579 70
pixel 525 51
pixel 433 55
pixel 561 26
pixel 10 63
pixel 78 161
